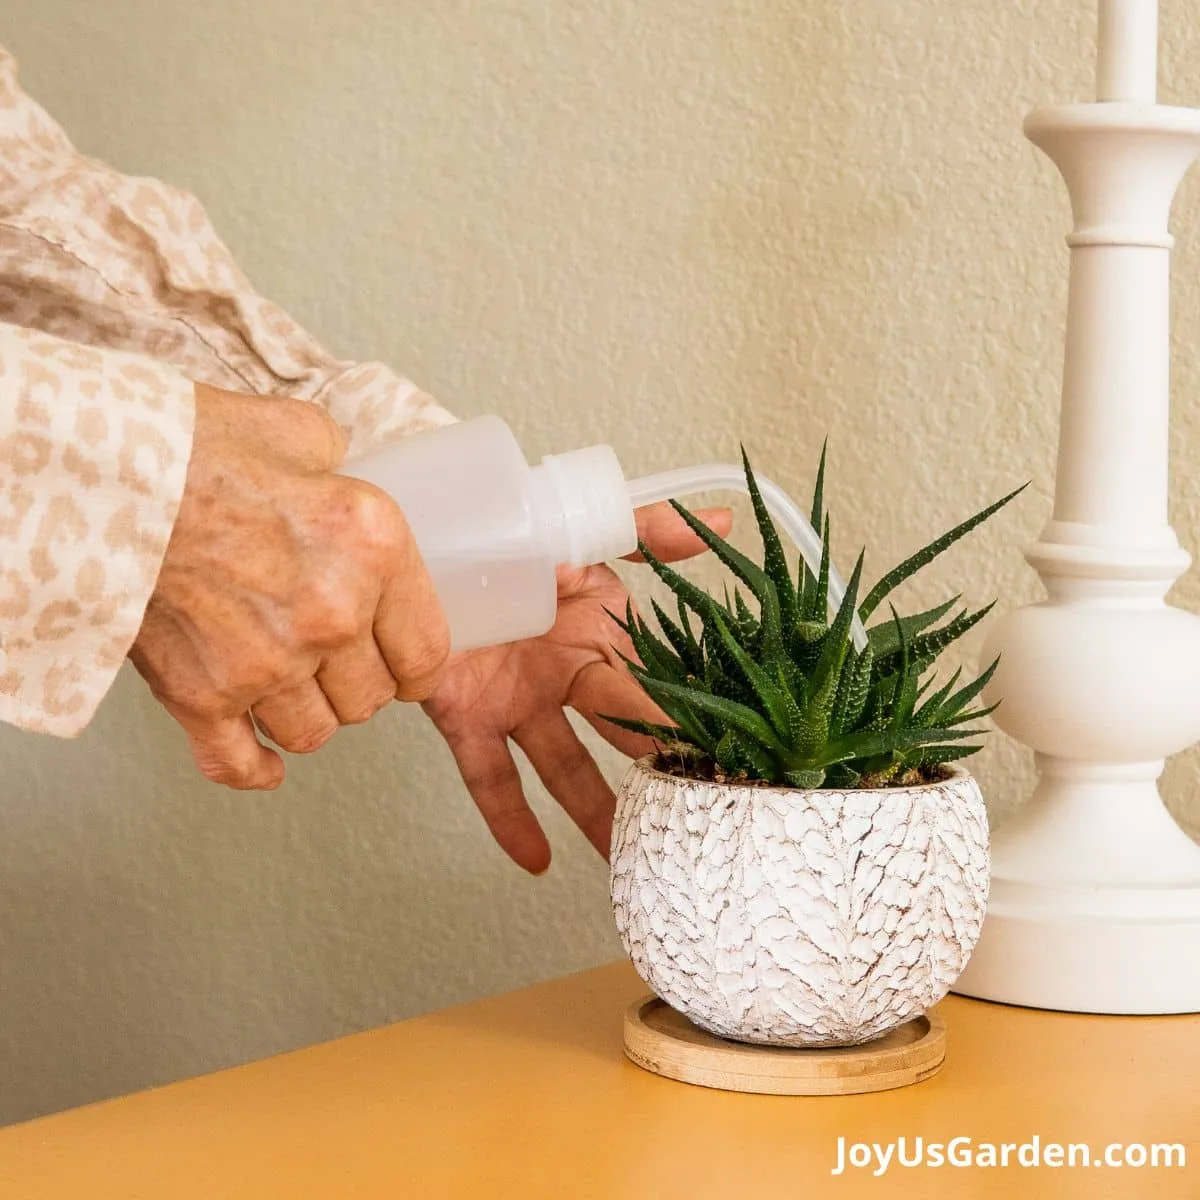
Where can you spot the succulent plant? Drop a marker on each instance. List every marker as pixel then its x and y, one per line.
pixel 771 688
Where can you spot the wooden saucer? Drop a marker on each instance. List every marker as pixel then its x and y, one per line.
pixel 667 1043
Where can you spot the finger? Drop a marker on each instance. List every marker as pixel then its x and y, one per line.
pixel 487 768
pixel 667 535
pixel 299 719
pixel 227 751
pixel 570 774
pixel 410 628
pixel 356 681
pixel 603 690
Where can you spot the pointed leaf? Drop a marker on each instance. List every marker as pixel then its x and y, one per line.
pixel 758 764
pixel 808 779
pixel 816 593
pixel 677 707
pixel 859 690
pixel 655 655
pixel 906 689
pixel 728 753
pixel 928 711
pixel 748 571
pixel 837 640
pixel 928 646
pixel 928 553
pixel 747 622
pixel 888 741
pixel 774 559
pixel 737 716
pixel 667 734
pixel 682 642
pixel 934 756
pixel 686 592
pixel 773 700
pixel 883 636
pixel 969 692
pixel 819 489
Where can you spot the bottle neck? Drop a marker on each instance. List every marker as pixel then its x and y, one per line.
pixel 549 515
pixel 581 503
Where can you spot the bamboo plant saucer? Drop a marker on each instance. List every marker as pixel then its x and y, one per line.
pixel 663 1041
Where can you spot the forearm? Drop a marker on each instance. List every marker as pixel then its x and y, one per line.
pixel 94 448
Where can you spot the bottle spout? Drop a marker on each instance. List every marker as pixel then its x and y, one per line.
pixel 672 485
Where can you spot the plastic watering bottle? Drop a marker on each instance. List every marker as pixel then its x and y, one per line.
pixel 492 529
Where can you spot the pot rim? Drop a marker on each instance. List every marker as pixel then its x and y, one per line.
pixel 646 764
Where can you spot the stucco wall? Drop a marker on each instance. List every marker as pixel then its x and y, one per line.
pixel 669 226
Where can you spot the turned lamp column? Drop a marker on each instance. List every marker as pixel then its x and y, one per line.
pixel 1095 899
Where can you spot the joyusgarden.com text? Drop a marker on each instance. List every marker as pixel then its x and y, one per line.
pixel 964 1152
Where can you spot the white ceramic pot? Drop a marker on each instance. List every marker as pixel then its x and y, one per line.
pixel 798 918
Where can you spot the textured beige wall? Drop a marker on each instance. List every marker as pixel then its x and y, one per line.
pixel 667 225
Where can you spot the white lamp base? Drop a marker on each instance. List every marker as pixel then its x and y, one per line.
pixel 1095 899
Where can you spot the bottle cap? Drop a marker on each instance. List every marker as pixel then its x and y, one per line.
pixel 586 506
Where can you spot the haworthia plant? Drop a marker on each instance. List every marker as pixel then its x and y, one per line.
pixel 773 688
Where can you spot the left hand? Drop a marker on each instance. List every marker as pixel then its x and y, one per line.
pixel 520 691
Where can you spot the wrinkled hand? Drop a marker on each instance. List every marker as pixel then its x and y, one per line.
pixel 288 597
pixel 520 692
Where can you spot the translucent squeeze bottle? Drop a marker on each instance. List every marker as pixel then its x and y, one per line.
pixel 492 529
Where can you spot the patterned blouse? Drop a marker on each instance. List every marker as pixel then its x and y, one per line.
pixel 115 295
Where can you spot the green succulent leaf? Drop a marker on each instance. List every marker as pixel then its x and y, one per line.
pixel 883 637
pixel 818 500
pixel 779 692
pixel 911 565
pixel 775 702
pixel 906 687
pixel 950 706
pixel 810 779
pixel 740 717
pixel 680 638
pixel 815 605
pixel 666 735
pixel 654 654
pixel 774 560
pixel 934 756
pixel 729 753
pixel 837 642
pixel 748 571
pixel 746 620
pixel 929 645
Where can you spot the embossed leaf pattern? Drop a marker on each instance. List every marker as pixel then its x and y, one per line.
pixel 788 917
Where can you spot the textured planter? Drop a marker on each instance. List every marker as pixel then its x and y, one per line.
pixel 798 918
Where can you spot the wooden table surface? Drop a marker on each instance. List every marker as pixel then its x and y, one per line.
pixel 528 1095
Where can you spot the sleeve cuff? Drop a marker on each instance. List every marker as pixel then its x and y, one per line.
pixel 94 449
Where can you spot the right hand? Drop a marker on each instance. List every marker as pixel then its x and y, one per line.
pixel 289 597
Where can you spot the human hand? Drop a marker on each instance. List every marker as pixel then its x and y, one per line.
pixel 520 691
pixel 289 596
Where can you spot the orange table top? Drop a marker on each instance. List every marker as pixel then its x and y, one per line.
pixel 528 1095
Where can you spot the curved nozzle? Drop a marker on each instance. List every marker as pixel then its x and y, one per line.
pixel 671 485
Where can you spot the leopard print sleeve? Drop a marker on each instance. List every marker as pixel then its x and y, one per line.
pixel 132 264
pixel 138 295
pixel 94 448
